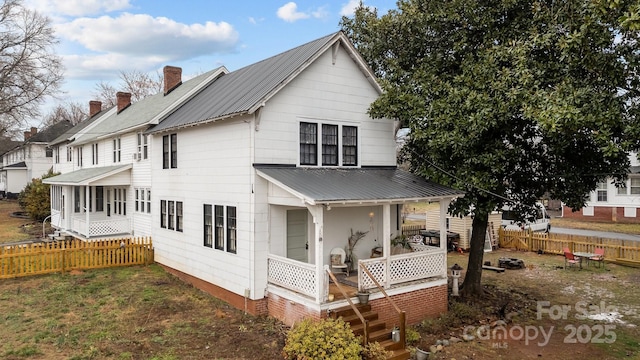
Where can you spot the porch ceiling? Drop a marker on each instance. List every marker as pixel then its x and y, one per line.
pixel 357 185
pixel 85 177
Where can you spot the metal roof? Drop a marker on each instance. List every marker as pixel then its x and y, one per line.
pixel 86 176
pixel 345 185
pixel 144 111
pixel 243 90
pixel 70 133
pixel 19 165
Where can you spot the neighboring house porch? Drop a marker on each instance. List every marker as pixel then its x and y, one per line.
pixel 312 211
pixel 92 203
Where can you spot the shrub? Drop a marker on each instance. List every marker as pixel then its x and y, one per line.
pixel 321 339
pixel 412 336
pixel 375 351
pixel 35 198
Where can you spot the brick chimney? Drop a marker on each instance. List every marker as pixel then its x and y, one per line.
pixel 94 107
pixel 34 130
pixel 123 100
pixel 172 78
pixel 27 135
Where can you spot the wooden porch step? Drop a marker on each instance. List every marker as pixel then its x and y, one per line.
pixel 355 320
pixel 347 310
pixel 374 325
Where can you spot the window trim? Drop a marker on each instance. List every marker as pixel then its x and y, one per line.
pixel 344 142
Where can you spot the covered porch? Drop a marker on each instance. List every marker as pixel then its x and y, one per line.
pixel 313 211
pixel 92 203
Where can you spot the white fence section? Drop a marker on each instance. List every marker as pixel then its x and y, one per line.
pixel 293 275
pixel 424 264
pixel 114 226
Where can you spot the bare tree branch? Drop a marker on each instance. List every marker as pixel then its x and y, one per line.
pixel 30 71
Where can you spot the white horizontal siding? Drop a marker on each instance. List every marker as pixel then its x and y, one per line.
pixel 214 168
pixel 324 93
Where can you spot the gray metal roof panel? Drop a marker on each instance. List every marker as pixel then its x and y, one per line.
pixel 70 133
pixel 358 184
pixel 83 175
pixel 238 91
pixel 143 111
pixel 19 165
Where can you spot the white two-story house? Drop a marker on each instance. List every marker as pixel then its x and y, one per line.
pixel 610 203
pixel 259 176
pixel 30 159
pixel 105 184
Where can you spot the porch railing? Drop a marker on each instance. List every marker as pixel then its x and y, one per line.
pixel 292 275
pixel 403 268
pixel 118 225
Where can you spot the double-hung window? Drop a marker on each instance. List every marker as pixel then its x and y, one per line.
pixel 635 186
pixel 171 216
pixel 94 154
pixel 308 143
pixel 601 191
pixel 339 144
pixel 220 227
pixel 143 146
pixel 170 151
pixel 79 155
pixel 117 147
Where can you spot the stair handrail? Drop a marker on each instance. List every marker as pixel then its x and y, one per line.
pixel 401 314
pixel 365 323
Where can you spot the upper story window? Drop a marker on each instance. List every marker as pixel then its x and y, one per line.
pixel 48 152
pixel 79 155
pixel 117 147
pixel 57 154
pixel 143 146
pixel 69 154
pixel 602 191
pixel 339 144
pixel 170 151
pixel 94 154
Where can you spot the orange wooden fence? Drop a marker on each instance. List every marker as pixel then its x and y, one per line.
pixel 61 256
pixel 616 250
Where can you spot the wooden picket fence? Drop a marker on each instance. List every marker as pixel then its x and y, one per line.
pixel 625 252
pixel 67 255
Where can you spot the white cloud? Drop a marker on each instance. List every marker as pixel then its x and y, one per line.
pixel 349 8
pixel 143 38
pixel 77 7
pixel 289 12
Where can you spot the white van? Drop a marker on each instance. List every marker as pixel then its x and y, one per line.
pixel 541 222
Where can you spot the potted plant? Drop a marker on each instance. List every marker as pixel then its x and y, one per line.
pixel 352 241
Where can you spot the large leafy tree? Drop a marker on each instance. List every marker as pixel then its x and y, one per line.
pixel 30 71
pixel 507 99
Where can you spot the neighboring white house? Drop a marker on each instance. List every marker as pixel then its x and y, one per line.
pixel 611 203
pixel 105 184
pixel 30 159
pixel 246 181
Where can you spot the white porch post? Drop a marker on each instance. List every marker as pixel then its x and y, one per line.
pixel 386 240
pixel 86 209
pixel 318 220
pixel 444 205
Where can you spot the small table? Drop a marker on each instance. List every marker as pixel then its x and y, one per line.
pixel 585 255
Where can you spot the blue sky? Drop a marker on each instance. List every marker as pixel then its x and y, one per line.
pixel 101 38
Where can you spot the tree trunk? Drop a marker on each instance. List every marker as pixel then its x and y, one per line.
pixel 472 286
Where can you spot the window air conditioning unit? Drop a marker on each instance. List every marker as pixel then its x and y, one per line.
pixel 136 156
pixel 139 156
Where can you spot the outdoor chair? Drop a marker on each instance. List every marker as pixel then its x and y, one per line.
pixel 337 257
pixel 570 259
pixel 599 256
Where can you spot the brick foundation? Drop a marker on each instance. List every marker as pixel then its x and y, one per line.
pixel 418 304
pixel 254 307
pixel 602 214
